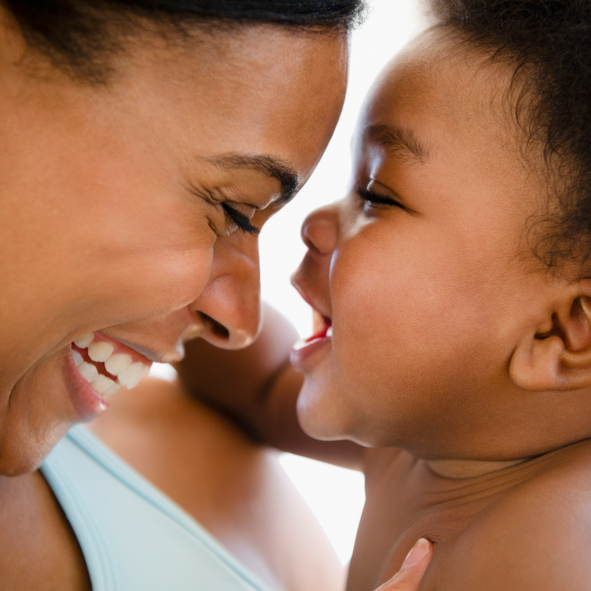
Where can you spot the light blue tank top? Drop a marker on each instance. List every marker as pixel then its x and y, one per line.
pixel 133 537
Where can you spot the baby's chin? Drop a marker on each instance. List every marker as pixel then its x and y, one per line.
pixel 318 412
pixel 324 415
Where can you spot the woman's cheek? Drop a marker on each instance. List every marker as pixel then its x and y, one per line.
pixel 180 278
pixel 150 284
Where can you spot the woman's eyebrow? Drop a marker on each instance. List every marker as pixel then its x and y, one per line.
pixel 267 165
pixel 398 141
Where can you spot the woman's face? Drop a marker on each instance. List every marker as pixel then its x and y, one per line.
pixel 119 207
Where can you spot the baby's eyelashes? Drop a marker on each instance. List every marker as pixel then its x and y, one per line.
pixel 373 199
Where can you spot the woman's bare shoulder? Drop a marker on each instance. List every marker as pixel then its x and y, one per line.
pixel 39 549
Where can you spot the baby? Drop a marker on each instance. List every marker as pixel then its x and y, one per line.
pixel 453 309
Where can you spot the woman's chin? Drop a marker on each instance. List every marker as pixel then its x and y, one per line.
pixel 25 451
pixel 38 410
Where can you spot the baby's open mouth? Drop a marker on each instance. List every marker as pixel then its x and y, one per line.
pixel 324 332
pixel 108 365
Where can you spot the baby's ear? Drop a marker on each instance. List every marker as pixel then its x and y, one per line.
pixel 558 356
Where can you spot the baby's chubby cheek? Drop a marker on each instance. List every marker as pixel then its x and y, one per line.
pixel 394 318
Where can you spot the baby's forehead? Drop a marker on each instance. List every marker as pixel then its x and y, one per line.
pixel 444 86
pixel 439 62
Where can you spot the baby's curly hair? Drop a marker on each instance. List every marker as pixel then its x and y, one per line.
pixel 548 44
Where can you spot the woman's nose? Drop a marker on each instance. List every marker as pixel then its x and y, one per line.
pixel 319 230
pixel 230 305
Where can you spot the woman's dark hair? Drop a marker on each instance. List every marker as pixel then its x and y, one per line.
pixel 80 35
pixel 548 45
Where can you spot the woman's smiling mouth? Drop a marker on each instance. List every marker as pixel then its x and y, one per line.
pixel 108 365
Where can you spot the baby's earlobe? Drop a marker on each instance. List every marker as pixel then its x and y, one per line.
pixel 558 359
pixel 535 363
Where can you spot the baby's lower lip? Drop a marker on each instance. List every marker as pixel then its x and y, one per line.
pixel 304 348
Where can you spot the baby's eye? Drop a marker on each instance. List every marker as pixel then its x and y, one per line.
pixel 374 199
pixel 240 220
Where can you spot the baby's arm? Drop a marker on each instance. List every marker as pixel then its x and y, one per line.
pixel 258 388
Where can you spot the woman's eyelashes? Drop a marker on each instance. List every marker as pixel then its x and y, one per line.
pixel 235 217
pixel 240 220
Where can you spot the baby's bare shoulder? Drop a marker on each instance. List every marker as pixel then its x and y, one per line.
pixel 536 536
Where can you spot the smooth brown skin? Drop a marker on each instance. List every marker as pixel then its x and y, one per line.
pixel 106 225
pixel 456 360
pixel 125 172
pixel 39 549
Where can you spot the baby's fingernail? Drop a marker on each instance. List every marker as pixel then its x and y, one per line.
pixel 417 553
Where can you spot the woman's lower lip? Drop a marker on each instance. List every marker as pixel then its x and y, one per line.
pixel 303 350
pixel 86 401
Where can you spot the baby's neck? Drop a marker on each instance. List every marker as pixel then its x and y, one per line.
pixel 468 468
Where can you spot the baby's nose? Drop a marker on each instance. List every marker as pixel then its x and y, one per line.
pixel 320 229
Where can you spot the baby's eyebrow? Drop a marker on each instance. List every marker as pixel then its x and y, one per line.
pixel 398 141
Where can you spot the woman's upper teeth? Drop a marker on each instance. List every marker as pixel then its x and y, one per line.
pixel 133 375
pixel 119 365
pixel 84 340
pixel 100 351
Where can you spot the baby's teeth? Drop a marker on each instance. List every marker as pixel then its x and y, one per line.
pixel 88 371
pixel 77 358
pixel 117 363
pixel 133 375
pixel 84 340
pixel 100 351
pixel 113 389
pixel 329 332
pixel 102 384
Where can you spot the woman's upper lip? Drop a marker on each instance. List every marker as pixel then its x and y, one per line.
pixel 160 340
pixel 171 356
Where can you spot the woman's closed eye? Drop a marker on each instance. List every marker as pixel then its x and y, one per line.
pixel 240 220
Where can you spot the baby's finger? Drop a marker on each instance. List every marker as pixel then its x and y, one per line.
pixel 409 576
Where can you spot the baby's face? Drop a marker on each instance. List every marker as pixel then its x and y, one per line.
pixel 423 268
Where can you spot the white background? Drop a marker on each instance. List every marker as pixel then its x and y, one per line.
pixel 335 495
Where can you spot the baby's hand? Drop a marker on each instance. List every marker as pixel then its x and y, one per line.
pixel 409 576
